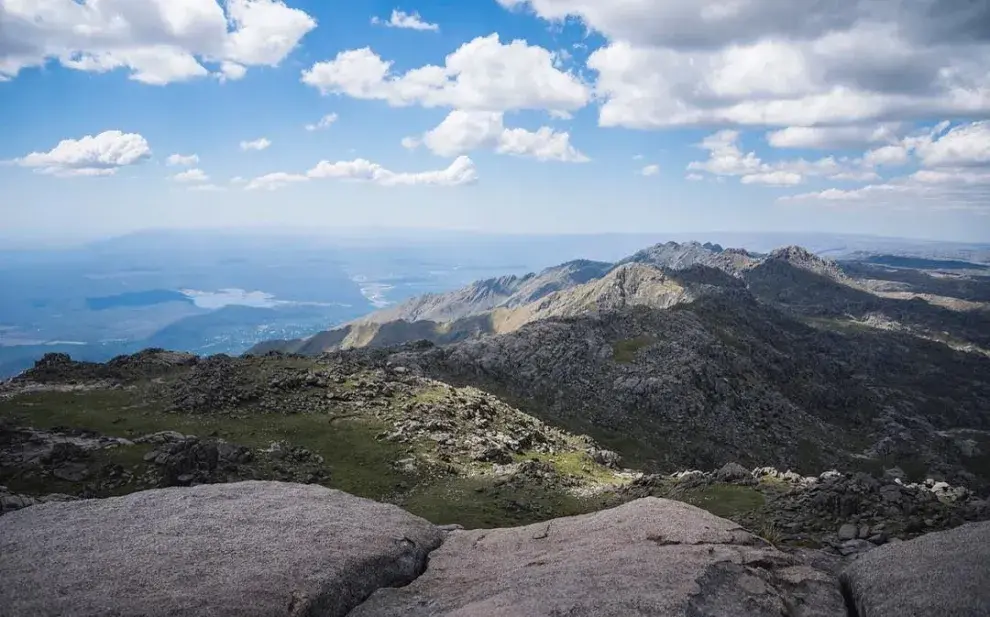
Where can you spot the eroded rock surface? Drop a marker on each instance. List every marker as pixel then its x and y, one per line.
pixel 648 557
pixel 946 573
pixel 244 549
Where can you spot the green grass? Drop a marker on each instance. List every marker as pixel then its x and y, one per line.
pixel 725 500
pixel 624 351
pixel 476 503
pixel 359 463
pixel 431 395
pixel 574 463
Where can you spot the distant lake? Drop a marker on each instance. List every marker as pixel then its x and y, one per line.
pixel 137 298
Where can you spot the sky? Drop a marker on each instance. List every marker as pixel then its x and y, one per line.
pixel 539 116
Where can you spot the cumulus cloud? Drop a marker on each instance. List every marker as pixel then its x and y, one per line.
pixel 463 131
pixel 650 170
pixel 725 158
pixel 460 172
pixel 157 41
pixel 832 137
pixel 964 145
pixel 182 160
pixel 258 144
pixel 324 123
pixel 191 175
pixel 483 74
pixel 408 21
pixel 782 64
pixel 99 155
pixel 954 173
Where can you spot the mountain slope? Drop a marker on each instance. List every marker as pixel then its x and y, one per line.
pixel 727 378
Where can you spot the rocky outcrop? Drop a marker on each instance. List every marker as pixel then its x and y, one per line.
pixel 844 513
pixel 648 557
pixel 263 549
pixel 245 549
pixel 945 573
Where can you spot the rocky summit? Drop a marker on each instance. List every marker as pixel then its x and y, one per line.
pixel 260 549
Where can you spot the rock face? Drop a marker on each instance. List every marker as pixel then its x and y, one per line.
pixel 648 557
pixel 945 573
pixel 250 548
pixel 264 549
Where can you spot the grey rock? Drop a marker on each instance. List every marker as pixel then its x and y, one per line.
pixel 733 472
pixel 848 532
pixel 647 557
pixel 943 573
pixel 245 549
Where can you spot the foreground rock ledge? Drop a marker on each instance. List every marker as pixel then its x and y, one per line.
pixel 263 549
pixel 244 549
pixel 651 557
pixel 946 573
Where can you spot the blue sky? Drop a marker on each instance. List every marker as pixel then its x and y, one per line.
pixel 648 115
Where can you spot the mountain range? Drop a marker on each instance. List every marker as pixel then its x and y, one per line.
pixel 691 355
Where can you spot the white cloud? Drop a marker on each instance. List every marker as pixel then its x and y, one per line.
pixel 258 144
pixel 181 160
pixel 158 41
pixel 831 137
pixel 277 180
pixel 650 170
pixel 483 74
pixel 463 131
pixel 963 145
pixel 694 177
pixel 773 178
pixel 231 71
pixel 886 155
pixel 544 144
pixel 409 21
pixel 324 123
pixel 100 155
pixel 725 158
pixel 638 157
pixel 410 143
pixel 778 63
pixel 558 114
pixel 191 175
pixel 460 172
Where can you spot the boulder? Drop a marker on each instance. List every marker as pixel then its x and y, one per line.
pixel 244 549
pixel 648 557
pixel 943 573
pixel 733 472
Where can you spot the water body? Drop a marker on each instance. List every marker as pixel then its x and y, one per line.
pixel 136 298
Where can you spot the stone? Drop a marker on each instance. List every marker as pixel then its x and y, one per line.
pixel 942 573
pixel 647 557
pixel 848 532
pixel 733 472
pixel 250 548
pixel 864 532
